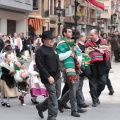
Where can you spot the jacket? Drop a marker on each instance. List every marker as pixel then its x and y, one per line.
pixel 47 62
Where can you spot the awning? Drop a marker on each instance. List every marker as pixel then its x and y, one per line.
pixel 35 22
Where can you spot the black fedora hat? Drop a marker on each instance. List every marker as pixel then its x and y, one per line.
pixel 47 34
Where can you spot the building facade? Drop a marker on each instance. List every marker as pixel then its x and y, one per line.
pixel 87 20
pixel 13 15
pixel 46 11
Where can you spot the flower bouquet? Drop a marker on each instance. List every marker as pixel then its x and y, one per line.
pixel 85 67
pixel 17 65
pixel 25 76
pixel 70 43
pixel 85 60
pixel 78 15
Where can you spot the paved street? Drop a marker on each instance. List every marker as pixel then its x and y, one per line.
pixel 109 109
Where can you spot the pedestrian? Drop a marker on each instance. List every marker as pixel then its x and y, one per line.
pixel 115 46
pixel 47 62
pixel 71 65
pixel 86 72
pixel 17 45
pixel 97 49
pixel 8 84
pixel 108 67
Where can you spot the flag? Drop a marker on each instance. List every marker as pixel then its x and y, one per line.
pixel 97 3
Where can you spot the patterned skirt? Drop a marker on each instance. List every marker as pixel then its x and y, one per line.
pixel 36 87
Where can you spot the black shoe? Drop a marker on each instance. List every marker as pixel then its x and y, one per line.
pixel 75 114
pixel 60 107
pixel 111 92
pixel 66 106
pixel 40 113
pixel 94 104
pixel 98 102
pixel 80 110
pixel 3 103
pixel 117 60
pixel 8 105
pixel 34 102
pixel 84 105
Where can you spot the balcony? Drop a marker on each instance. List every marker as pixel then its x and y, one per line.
pixel 92 21
pixel 81 20
pixel 17 5
pixel 82 2
pixel 63 12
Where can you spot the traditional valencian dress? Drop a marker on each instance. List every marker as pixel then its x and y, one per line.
pixel 8 84
pixel 36 86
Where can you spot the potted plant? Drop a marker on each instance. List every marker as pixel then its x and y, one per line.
pixel 59 23
pixel 78 15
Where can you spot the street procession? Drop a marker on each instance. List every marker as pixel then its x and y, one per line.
pixel 59 59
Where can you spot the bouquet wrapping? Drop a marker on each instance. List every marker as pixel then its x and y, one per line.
pixel 85 60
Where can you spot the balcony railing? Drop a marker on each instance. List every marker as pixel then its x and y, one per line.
pixel 63 11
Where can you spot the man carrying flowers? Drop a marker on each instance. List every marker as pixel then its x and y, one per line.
pixel 71 59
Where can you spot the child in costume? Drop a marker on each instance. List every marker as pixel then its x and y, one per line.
pixel 36 86
pixel 8 84
pixel 23 83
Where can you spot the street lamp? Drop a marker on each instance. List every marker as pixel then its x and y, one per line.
pixel 114 17
pixel 59 12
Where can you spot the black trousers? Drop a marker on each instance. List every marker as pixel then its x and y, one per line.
pixel 116 54
pixel 97 85
pixel 51 103
pixel 17 52
pixel 65 88
pixel 108 82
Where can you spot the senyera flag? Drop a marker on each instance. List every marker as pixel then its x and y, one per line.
pixel 97 3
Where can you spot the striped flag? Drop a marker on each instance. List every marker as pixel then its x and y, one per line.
pixel 97 3
pixel 36 23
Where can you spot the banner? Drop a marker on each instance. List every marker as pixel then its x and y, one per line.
pixel 97 3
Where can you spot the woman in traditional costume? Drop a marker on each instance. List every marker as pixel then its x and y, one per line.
pixel 8 84
pixel 36 86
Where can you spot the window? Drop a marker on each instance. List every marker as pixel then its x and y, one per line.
pixel 73 10
pixel 106 9
pixel 67 11
pixel 35 4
